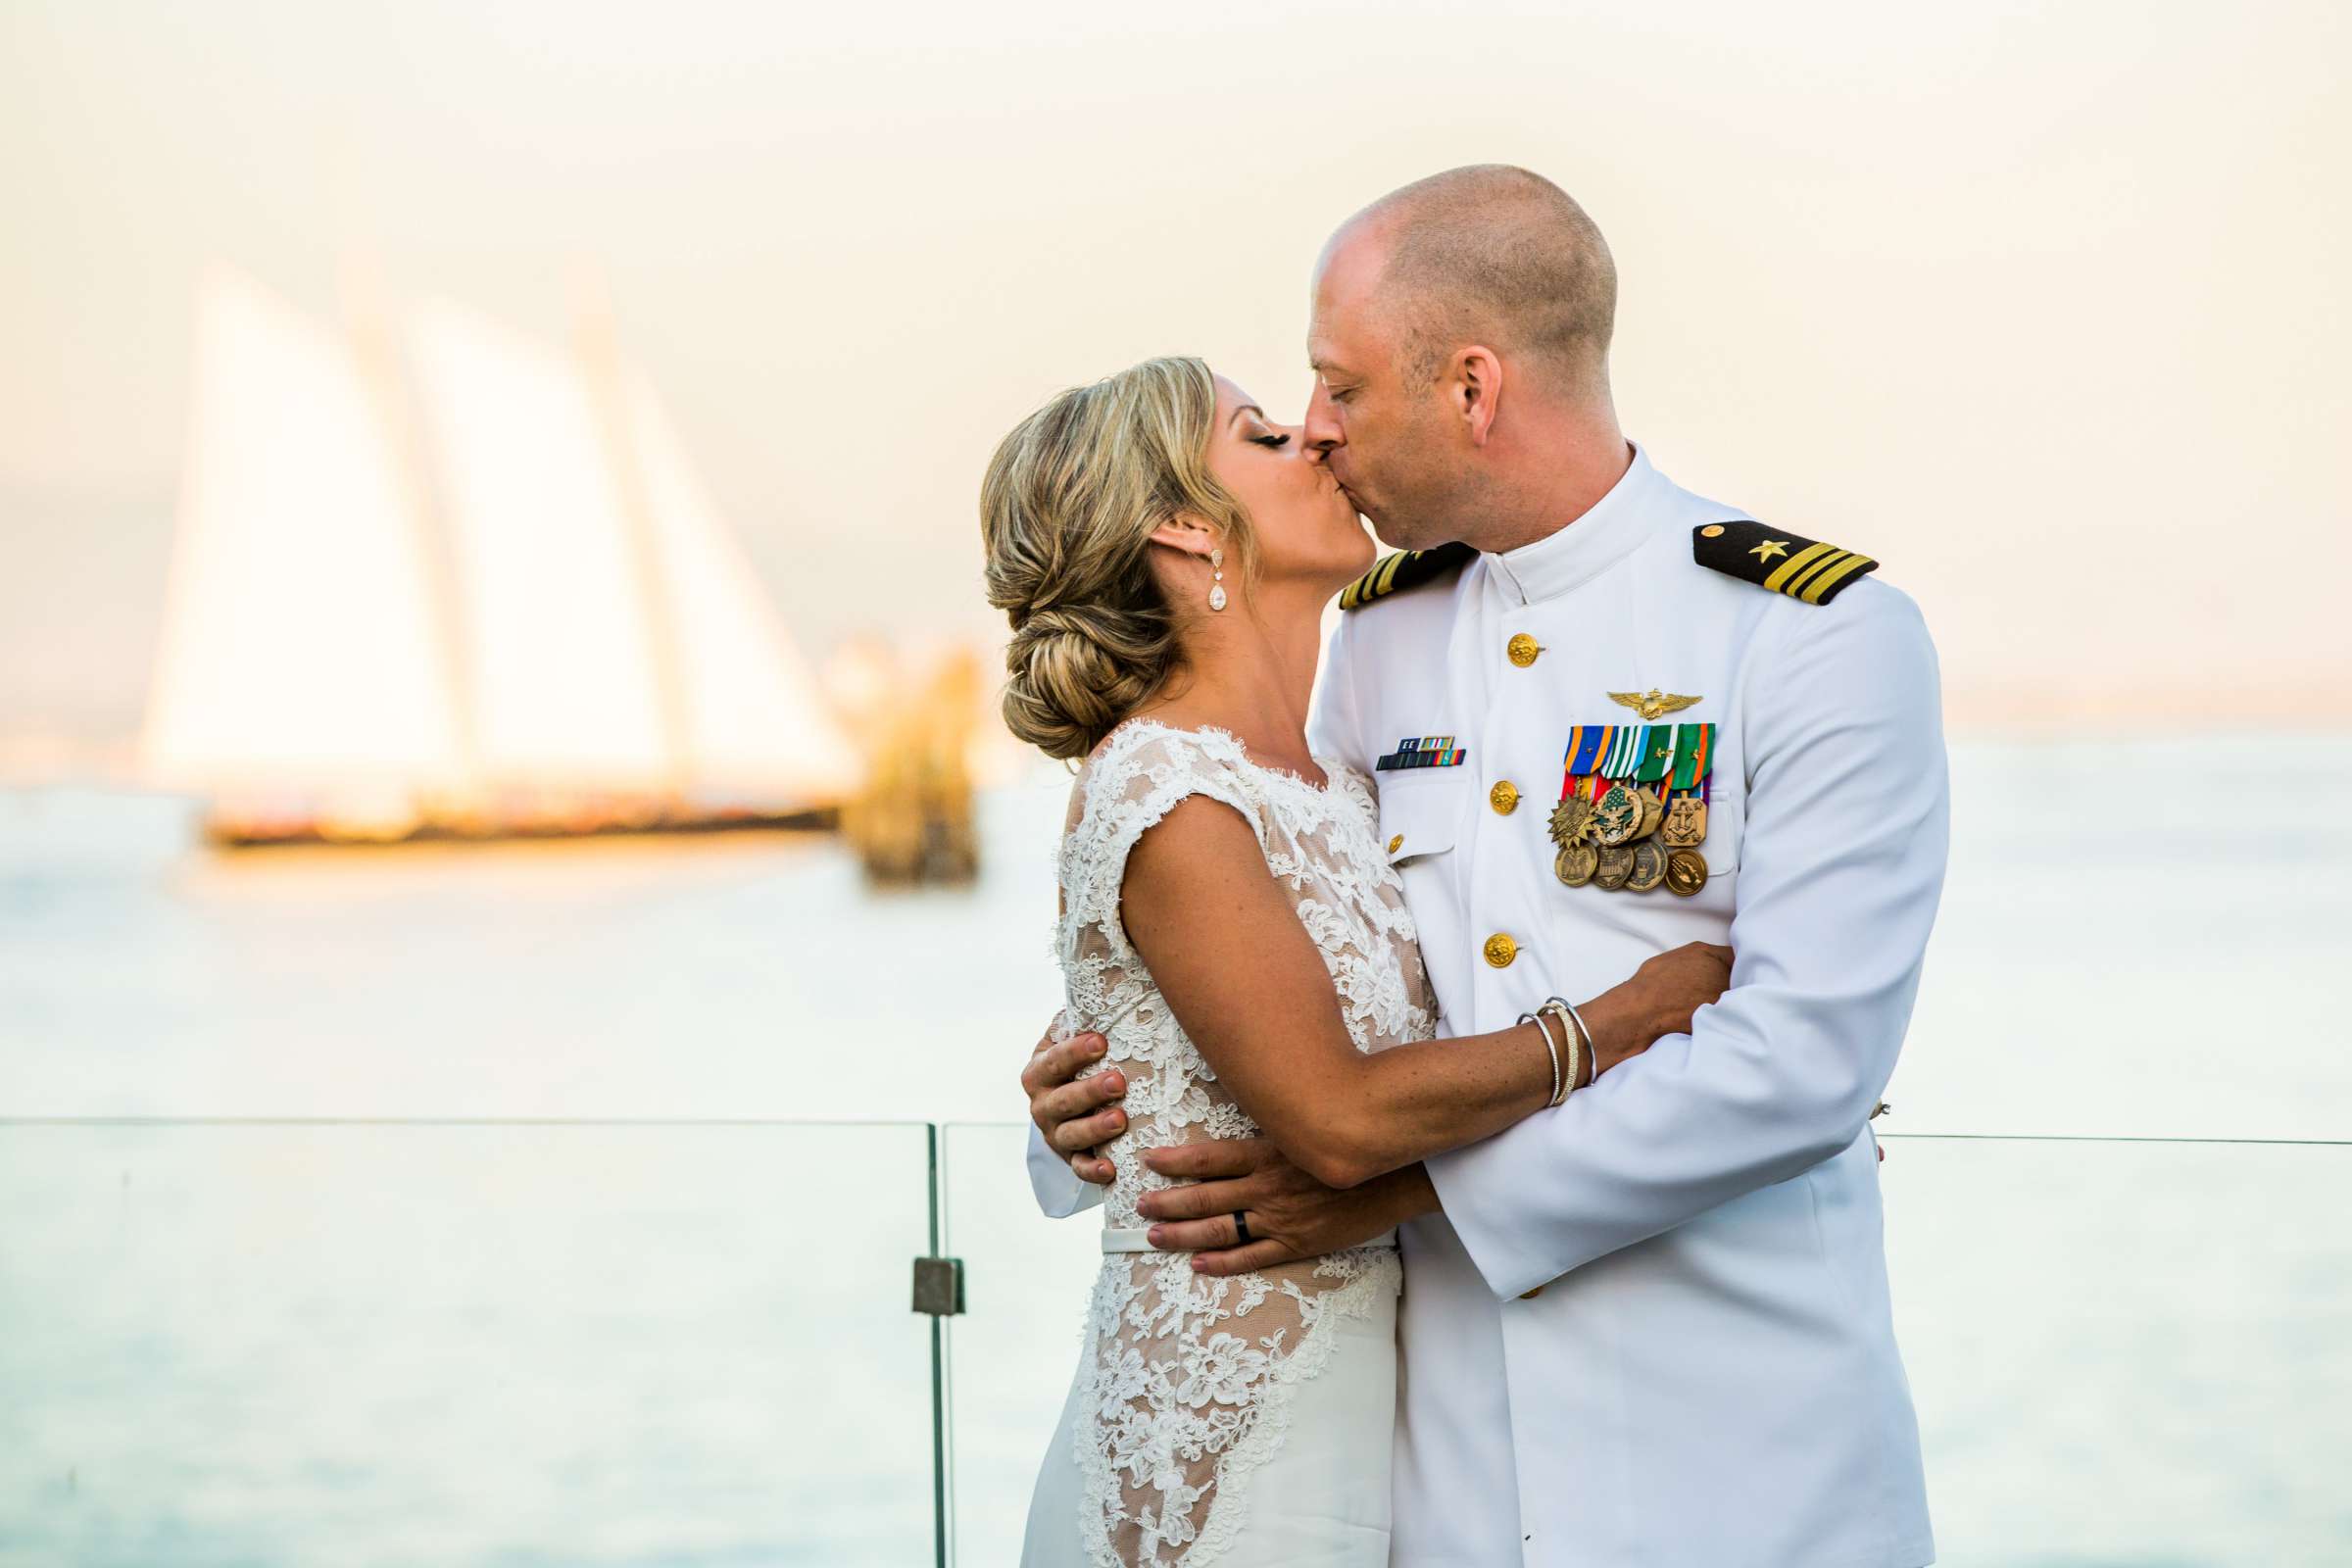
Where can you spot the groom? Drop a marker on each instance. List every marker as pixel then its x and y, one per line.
pixel 1651 1326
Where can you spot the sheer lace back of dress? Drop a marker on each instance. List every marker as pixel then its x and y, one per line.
pixel 1187 1376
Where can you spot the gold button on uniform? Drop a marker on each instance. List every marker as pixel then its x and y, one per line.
pixel 1529 1296
pixel 1395 844
pixel 1713 531
pixel 1503 797
pixel 1523 649
pixel 1500 950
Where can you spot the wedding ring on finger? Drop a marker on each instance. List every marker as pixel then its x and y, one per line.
pixel 1241 1229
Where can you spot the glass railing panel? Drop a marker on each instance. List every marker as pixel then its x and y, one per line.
pixel 1014 1349
pixel 2126 1353
pixel 2121 1352
pixel 463 1343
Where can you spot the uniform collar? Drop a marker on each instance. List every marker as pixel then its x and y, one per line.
pixel 1586 546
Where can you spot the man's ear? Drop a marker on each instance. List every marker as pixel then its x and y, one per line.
pixel 1188 534
pixel 1477 390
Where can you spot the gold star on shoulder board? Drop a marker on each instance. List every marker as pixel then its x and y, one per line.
pixel 1777 562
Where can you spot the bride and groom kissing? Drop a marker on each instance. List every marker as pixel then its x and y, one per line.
pixel 1476 1072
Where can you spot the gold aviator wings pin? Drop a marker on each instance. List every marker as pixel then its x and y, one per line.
pixel 1653 704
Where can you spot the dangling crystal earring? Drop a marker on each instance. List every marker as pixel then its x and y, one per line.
pixel 1216 590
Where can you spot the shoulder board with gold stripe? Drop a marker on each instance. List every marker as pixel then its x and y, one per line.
pixel 1408 568
pixel 1776 559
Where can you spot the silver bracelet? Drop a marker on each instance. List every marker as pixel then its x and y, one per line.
pixel 1583 1029
pixel 1545 1029
pixel 1580 1047
pixel 1555 1009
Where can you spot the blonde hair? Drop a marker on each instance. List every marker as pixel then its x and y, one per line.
pixel 1066 516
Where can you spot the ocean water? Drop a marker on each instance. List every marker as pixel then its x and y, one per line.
pixel 512 1342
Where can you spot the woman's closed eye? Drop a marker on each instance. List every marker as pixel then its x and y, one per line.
pixel 1277 442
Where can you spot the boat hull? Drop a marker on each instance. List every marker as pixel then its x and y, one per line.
pixel 243 836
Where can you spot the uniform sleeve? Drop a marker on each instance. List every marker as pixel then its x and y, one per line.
pixel 1839 872
pixel 1060 1192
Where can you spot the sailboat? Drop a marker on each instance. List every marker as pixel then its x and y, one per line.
pixel 439 581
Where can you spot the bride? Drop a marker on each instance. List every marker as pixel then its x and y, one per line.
pixel 1164 552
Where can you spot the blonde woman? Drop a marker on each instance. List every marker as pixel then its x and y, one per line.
pixel 1164 551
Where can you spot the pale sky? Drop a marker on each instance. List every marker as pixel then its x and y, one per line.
pixel 2045 306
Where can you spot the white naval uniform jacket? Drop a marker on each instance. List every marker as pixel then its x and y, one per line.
pixel 1651 1326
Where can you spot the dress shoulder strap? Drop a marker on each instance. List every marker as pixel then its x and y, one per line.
pixel 1139 776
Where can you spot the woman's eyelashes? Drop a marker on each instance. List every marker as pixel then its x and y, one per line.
pixel 1274 442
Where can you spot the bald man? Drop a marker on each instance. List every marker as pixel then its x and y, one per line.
pixel 1651 1326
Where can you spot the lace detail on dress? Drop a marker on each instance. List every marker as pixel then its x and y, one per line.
pixel 1186 1377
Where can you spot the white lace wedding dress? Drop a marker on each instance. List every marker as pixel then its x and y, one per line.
pixel 1248 1421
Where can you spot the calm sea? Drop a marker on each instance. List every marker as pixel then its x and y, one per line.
pixel 637 1342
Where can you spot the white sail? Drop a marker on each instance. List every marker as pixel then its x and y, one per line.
pixel 298 655
pixel 756 725
pixel 556 634
pixel 561 617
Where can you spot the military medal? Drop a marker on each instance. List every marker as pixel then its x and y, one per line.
pixel 1655 768
pixel 1575 863
pixel 1686 825
pixel 1653 812
pixel 1585 743
pixel 1694 756
pixel 1617 816
pixel 1571 820
pixel 1686 873
pixel 1655 763
pixel 1622 756
pixel 1634 798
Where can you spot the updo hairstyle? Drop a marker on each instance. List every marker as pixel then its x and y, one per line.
pixel 1066 515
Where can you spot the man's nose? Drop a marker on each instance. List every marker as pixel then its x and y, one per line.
pixel 1321 432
